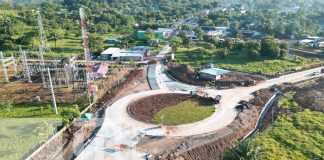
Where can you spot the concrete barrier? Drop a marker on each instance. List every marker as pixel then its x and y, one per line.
pixel 264 111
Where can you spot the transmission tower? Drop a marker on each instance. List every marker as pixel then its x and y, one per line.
pixel 43 46
pixel 85 44
pixel 86 49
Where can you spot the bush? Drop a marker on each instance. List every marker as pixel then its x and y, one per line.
pixel 7 104
pixel 69 114
pixel 152 61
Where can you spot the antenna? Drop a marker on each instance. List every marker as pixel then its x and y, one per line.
pixel 85 44
pixel 86 50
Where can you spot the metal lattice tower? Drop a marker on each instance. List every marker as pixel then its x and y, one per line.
pixel 43 46
pixel 25 66
pixel 85 44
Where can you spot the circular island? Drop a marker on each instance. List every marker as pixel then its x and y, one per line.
pixel 172 109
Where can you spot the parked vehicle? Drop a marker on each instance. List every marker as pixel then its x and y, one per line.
pixel 315 73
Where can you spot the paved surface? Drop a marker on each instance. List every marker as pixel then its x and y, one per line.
pixel 119 128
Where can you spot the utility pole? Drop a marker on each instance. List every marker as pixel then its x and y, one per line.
pixel 52 90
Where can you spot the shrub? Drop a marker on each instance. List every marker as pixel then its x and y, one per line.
pixel 69 114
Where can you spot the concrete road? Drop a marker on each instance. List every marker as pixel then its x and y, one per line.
pixel 119 128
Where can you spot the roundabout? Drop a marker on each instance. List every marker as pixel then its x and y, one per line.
pixel 120 128
pixel 172 109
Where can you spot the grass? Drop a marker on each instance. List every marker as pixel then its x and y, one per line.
pixel 155 50
pixel 297 136
pixel 183 113
pixel 19 137
pixel 197 56
pixel 32 110
pixel 8 12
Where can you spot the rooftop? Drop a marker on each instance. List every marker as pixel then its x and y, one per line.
pixel 214 71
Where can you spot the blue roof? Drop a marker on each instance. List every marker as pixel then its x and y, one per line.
pixel 214 71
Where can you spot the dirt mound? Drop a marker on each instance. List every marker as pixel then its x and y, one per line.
pixel 308 94
pixel 185 74
pixel 145 108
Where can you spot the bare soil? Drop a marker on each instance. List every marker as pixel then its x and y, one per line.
pixel 309 94
pixel 19 91
pixel 187 74
pixel 208 146
pixel 79 134
pixel 145 108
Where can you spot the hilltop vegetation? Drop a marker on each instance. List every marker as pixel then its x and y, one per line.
pixel 19 20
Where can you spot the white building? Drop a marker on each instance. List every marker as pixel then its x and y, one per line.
pixel 212 73
pixel 137 53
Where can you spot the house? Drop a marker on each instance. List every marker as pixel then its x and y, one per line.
pixel 112 41
pixel 127 55
pixel 145 50
pixel 137 53
pixel 207 29
pixel 166 32
pixel 100 71
pixel 192 35
pixel 160 33
pixel 191 21
pixel 250 33
pixel 106 55
pixel 212 73
pixel 306 42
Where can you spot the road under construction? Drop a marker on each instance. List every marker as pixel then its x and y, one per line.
pixel 121 129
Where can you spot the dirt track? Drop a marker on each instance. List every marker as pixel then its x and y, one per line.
pixel 145 108
pixel 212 146
pixel 79 137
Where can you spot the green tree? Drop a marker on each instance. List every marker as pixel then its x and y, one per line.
pixel 223 53
pixel 69 114
pixel 200 33
pixel 27 38
pixel 96 43
pixel 270 47
pixel 252 49
pixel 284 49
pixel 149 35
pixel 228 43
pixel 54 36
pixel 175 43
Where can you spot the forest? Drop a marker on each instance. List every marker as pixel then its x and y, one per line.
pixel 117 18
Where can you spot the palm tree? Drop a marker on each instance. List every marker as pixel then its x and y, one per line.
pixel 243 151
